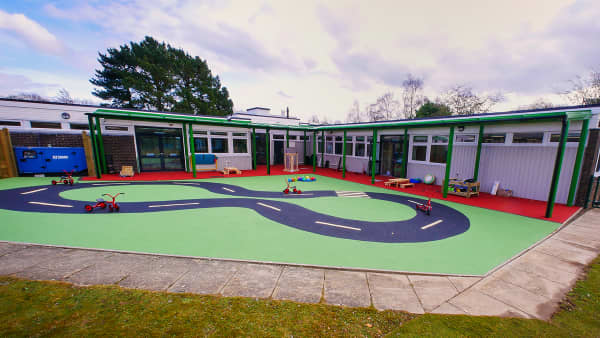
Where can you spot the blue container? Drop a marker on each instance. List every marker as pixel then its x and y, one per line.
pixel 44 160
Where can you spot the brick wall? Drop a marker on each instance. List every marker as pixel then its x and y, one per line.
pixel 588 166
pixel 119 151
pixel 45 140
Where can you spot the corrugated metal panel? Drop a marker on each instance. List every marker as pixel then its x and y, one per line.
pixel 463 161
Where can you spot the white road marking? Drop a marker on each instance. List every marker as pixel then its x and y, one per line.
pixel 268 206
pixel 32 191
pixel 52 204
pixel 414 202
pixel 109 183
pixel 431 224
pixel 351 194
pixel 338 226
pixel 228 189
pixel 184 183
pixel 171 205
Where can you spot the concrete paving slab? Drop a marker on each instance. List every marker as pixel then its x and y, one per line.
pixel 158 275
pixel 586 223
pixel 535 305
pixel 567 251
pixel 462 283
pixel 20 260
pixel 542 259
pixel 476 303
pixel 547 272
pixel 253 280
pixel 448 309
pixel 532 282
pixel 432 290
pixel 68 263
pixel 300 284
pixel 111 269
pixel 206 277
pixel 578 239
pixel 393 292
pixel 10 247
pixel 578 230
pixel 348 288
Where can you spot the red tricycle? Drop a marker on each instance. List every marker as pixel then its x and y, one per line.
pixel 67 178
pixel 293 189
pixel 425 207
pixel 101 203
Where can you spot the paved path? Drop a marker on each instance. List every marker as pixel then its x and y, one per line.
pixel 530 286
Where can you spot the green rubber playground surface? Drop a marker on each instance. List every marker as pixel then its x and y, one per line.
pixel 240 233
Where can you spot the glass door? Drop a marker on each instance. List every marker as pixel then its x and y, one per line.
pixel 391 155
pixel 160 148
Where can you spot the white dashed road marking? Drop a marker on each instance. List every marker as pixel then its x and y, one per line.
pixel 171 205
pixel 338 226
pixel 32 191
pixel 431 224
pixel 52 204
pixel 268 206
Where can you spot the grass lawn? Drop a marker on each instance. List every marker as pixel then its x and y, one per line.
pixel 30 308
pixel 241 233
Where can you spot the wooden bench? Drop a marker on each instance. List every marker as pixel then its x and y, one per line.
pixel 398 182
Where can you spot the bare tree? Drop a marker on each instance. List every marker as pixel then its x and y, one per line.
pixel 354 114
pixel 540 103
pixel 373 113
pixel 385 108
pixel 314 119
pixel 463 101
pixel 29 97
pixel 63 96
pixel 585 89
pixel 412 96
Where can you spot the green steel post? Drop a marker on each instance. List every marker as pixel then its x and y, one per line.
pixel 100 144
pixel 254 148
pixel 344 156
pixel 268 152
pixel 287 138
pixel 185 147
pixel 448 162
pixel 94 149
pixel 304 153
pixel 579 157
pixel 322 148
pixel 560 153
pixel 373 157
pixel 478 154
pixel 405 154
pixel 314 154
pixel 192 150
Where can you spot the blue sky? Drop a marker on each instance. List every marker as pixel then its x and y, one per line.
pixel 315 57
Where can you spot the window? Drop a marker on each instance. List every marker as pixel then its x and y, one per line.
pixel 528 137
pixel 278 137
pixel 329 145
pixel 349 149
pixel 200 132
pixel 494 138
pixel 239 134
pixel 219 145
pixel 571 137
pixel 465 138
pixel 439 139
pixel 369 146
pixel 117 128
pixel 438 153
pixel 79 126
pixel 339 145
pixel 10 123
pixel 419 139
pixel 240 145
pixel 201 144
pixel 419 153
pixel 320 144
pixel 219 133
pixel 51 125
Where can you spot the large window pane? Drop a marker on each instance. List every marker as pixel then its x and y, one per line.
pixel 465 138
pixel 240 145
pixel 571 137
pixel 439 139
pixel 338 148
pixel 528 137
pixel 419 153
pixel 438 153
pixel 419 139
pixel 349 148
pixel 494 138
pixel 329 147
pixel 360 149
pixel 219 145
pixel 201 144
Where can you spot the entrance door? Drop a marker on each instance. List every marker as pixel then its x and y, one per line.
pixel 159 148
pixel 391 155
pixel 261 148
pixel 278 152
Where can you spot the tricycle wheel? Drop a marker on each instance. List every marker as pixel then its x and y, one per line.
pixel 110 208
pixel 66 182
pixel 102 205
pixel 71 182
pixel 116 208
pixel 88 208
pixel 53 182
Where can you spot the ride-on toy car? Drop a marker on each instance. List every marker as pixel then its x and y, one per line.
pixel 102 203
pixel 67 178
pixel 425 207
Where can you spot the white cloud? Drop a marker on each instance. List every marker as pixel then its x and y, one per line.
pixel 32 33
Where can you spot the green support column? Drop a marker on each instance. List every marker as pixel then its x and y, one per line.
pixel 373 157
pixel 405 154
pixel 185 147
pixel 100 145
pixel 322 148
pixel 304 153
pixel 192 150
pixel 268 153
pixel 94 149
pixel 344 156
pixel 287 138
pixel 314 154
pixel 448 162
pixel 254 148
pixel 478 154
pixel 560 153
pixel 579 157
